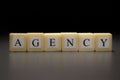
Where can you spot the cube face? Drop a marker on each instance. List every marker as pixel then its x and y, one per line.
pixel 52 42
pixel 17 42
pixel 103 42
pixel 86 41
pixel 35 42
pixel 69 41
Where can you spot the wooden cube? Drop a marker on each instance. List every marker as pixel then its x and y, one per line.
pixel 103 41
pixel 52 41
pixel 86 41
pixel 35 41
pixel 17 42
pixel 69 41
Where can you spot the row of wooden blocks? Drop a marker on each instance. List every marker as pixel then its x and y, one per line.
pixel 60 41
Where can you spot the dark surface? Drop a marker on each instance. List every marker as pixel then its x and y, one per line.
pixel 59 65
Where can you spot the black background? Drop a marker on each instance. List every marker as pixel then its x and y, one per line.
pixel 59 24
pixel 37 23
pixel 83 16
pixel 87 16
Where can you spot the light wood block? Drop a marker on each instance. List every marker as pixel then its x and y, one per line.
pixel 103 41
pixel 65 41
pixel 35 41
pixel 69 41
pixel 52 41
pixel 86 41
pixel 17 42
